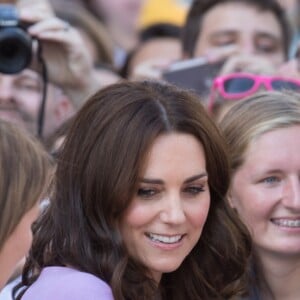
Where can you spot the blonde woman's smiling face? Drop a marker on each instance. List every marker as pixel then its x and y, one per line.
pixel 266 191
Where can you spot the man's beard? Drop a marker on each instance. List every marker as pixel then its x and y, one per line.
pixel 17 116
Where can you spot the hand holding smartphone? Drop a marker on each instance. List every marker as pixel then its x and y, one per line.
pixel 194 74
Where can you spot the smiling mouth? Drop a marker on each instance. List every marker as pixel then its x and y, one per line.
pixel 286 223
pixel 164 238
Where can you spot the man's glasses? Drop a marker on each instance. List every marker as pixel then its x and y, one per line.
pixel 240 85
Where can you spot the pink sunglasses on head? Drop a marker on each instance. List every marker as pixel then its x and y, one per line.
pixel 240 85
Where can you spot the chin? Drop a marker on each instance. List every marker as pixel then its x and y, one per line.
pixel 167 267
pixel 288 249
pixel 291 250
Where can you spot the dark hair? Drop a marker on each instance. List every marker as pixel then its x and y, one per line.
pixel 193 25
pixel 97 176
pixel 160 30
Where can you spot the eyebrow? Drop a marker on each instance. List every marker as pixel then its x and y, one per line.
pixel 230 32
pixel 159 181
pixel 28 77
pixel 29 72
pixel 221 33
pixel 271 171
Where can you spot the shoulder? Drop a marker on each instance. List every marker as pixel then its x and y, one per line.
pixel 62 283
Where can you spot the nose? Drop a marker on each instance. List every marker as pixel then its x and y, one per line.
pixel 291 193
pixel 172 210
pixel 6 89
pixel 248 46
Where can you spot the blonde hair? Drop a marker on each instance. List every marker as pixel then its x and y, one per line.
pixel 24 169
pixel 247 120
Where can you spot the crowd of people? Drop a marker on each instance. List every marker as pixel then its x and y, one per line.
pixel 118 183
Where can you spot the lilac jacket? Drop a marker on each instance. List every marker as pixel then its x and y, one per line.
pixel 62 283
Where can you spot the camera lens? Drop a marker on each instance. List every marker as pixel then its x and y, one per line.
pixel 15 50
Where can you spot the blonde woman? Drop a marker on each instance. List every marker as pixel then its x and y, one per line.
pixel 263 133
pixel 24 171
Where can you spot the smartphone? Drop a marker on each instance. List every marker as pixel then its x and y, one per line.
pixel 193 74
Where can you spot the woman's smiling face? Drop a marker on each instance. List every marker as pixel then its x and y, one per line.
pixel 165 219
pixel 266 191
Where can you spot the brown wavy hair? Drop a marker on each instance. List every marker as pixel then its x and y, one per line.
pixel 97 176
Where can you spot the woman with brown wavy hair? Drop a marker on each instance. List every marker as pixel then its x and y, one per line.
pixel 139 208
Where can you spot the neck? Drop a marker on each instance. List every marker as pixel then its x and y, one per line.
pixel 7 266
pixel 281 275
pixel 10 262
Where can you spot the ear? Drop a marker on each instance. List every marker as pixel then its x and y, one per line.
pixel 64 108
pixel 231 199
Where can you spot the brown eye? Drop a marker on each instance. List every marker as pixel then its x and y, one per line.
pixel 220 39
pixel 266 48
pixel 29 86
pixel 146 192
pixel 224 42
pixel 266 45
pixel 194 190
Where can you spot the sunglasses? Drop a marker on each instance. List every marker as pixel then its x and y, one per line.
pixel 240 85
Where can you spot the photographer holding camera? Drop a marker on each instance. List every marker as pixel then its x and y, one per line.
pixel 32 37
pixel 29 31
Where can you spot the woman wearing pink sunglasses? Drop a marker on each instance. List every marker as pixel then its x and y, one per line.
pixel 229 88
pixel 263 134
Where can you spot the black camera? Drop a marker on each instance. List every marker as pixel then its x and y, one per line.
pixel 15 42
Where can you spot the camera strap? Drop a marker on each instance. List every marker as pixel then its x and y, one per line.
pixel 44 74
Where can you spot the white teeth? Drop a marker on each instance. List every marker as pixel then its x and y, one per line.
pixel 164 239
pixel 287 223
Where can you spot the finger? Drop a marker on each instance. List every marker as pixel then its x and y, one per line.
pixel 35 12
pixel 289 69
pixel 51 24
pixel 233 64
pixel 160 63
pixel 146 71
pixel 219 54
pixel 248 63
